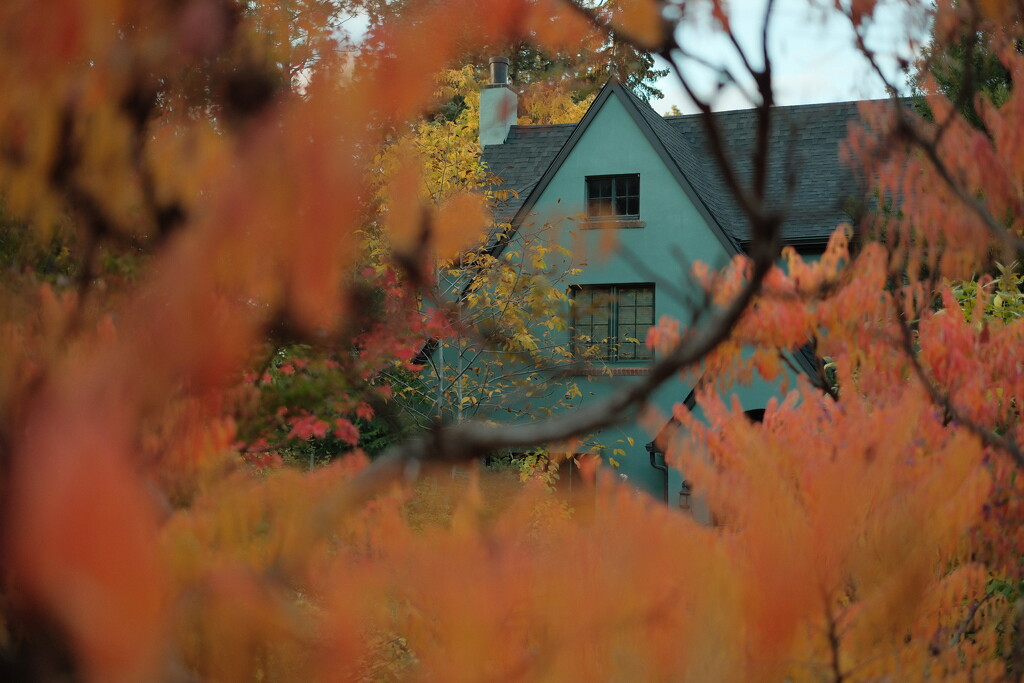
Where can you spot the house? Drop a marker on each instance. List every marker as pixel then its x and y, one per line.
pixel 653 181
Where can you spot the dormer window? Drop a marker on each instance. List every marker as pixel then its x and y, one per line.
pixel 613 197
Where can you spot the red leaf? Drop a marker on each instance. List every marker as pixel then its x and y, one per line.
pixel 307 426
pixel 346 431
pixel 365 411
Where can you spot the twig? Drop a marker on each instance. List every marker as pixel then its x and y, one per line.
pixel 906 130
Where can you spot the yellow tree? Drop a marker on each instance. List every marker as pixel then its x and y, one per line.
pixel 496 304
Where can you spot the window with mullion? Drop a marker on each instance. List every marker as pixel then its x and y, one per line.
pixel 610 322
pixel 613 197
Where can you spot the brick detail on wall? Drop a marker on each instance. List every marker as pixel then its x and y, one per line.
pixel 630 372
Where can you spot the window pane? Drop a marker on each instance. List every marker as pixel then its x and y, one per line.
pixel 605 317
pixel 600 208
pixel 599 187
pixel 601 310
pixel 611 196
pixel 628 185
pixel 620 206
pixel 631 206
pixel 583 314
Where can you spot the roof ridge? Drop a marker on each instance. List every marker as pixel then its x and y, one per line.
pixel 534 126
pixel 679 152
pixel 776 107
pixel 727 112
pixel 819 199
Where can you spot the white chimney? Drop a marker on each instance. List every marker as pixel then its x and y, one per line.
pixel 498 105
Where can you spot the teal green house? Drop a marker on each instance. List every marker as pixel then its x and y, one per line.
pixel 652 181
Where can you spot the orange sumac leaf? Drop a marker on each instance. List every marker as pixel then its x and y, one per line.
pixel 85 547
pixel 458 222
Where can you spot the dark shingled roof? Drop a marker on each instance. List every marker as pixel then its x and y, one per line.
pixel 804 148
pixel 522 160
pixel 804 139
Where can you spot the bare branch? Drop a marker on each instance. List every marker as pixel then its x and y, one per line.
pixel 908 131
pixel 466 441
pixel 961 630
pixel 834 638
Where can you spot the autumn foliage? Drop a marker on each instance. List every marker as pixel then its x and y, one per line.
pixel 205 164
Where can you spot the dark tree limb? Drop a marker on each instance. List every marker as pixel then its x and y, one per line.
pixel 448 444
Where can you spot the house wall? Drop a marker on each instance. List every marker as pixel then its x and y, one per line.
pixel 674 236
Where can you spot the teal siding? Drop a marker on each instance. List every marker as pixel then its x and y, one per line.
pixel 673 237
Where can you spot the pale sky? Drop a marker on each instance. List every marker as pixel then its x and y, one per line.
pixel 812 50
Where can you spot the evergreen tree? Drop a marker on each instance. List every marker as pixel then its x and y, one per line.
pixel 962 67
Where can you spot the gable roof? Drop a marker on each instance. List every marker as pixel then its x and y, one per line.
pixel 803 149
pixel 518 162
pixel 804 138
pixel 522 160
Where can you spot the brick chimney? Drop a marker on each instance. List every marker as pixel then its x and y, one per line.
pixel 498 105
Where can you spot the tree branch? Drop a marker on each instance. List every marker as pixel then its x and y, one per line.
pixel 469 440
